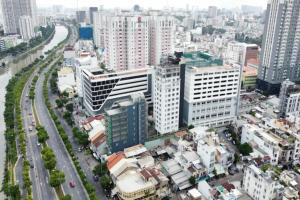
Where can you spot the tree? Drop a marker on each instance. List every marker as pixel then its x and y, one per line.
pixel 245 149
pixel 42 134
pixel 56 178
pixel 106 183
pixel 59 103
pixel 192 180
pixel 66 197
pixel 49 158
pixel 41 57
pixel 236 158
pixel 100 169
pixel 70 107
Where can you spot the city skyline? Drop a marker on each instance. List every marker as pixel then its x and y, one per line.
pixel 153 4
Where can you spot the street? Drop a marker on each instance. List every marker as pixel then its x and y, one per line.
pixel 39 175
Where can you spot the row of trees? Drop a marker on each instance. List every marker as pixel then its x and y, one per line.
pixel 88 186
pixel 14 131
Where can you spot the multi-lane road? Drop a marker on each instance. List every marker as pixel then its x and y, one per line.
pixel 39 175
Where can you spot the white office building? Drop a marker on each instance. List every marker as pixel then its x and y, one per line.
pixel 211 92
pixel 26 27
pixel 166 95
pixel 259 185
pixel 101 89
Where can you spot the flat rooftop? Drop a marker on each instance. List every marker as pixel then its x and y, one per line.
pixel 200 59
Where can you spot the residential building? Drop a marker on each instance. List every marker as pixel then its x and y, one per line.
pixel 86 32
pixel 280 49
pixel 212 11
pixel 211 91
pixel 259 185
pixel 207 155
pixel 81 16
pixel 241 53
pixel 26 27
pixel 2 44
pixel 249 77
pixel 162 37
pixel 92 10
pixel 133 40
pixel 126 123
pixel 100 89
pixel 289 99
pixel 166 95
pixel 12 11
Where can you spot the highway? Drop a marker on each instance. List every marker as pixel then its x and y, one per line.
pixel 64 162
pixel 39 175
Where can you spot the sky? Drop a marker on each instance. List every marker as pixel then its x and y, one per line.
pixel 155 4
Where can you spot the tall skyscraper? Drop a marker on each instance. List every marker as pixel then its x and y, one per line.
pixel 280 56
pixel 12 10
pixel 212 11
pixel 126 123
pixel 81 16
pixel 26 27
pixel 166 95
pixel 92 10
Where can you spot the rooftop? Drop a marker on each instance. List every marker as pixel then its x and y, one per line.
pixel 200 59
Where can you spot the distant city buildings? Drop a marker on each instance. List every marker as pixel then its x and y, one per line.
pixel 12 10
pixel 126 123
pixel 92 10
pixel 280 50
pixel 81 16
pixel 166 95
pixel 212 11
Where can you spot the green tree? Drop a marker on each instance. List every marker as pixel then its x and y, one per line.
pixel 70 107
pixel 66 197
pixel 245 149
pixel 106 183
pixel 42 134
pixel 100 169
pixel 56 178
pixel 59 103
pixel 192 180
pixel 49 158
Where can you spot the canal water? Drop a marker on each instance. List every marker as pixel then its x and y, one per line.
pixel 11 69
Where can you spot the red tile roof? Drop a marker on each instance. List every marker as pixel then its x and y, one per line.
pixel 114 159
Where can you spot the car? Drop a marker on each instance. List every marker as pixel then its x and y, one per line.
pixel 96 178
pixel 72 184
pixel 30 128
pixel 30 114
pixel 31 166
pixel 39 144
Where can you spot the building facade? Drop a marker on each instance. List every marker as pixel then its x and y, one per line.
pixel 259 185
pixel 166 95
pixel 211 92
pixel 289 99
pixel 280 56
pixel 126 123
pixel 92 10
pixel 12 10
pixel 133 40
pixel 81 16
pixel 26 27
pixel 241 53
pixel 101 89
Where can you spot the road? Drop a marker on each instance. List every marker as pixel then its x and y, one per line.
pixel 64 162
pixel 85 161
pixel 39 175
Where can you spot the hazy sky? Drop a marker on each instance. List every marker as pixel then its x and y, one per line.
pixel 151 3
